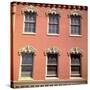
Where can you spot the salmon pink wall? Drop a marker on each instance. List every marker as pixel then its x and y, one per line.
pixel 41 40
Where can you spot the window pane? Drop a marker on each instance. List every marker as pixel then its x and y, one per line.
pixel 53 24
pixel 32 27
pixel 30 20
pixel 75 59
pixel 75 29
pixel 27 27
pixel 30 17
pixel 75 25
pixel 52 58
pixel 26 71
pixel 75 69
pixel 75 20
pixel 52 65
pixel 27 58
pixel 51 70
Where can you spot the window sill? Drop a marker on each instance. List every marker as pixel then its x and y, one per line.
pixel 29 33
pixel 75 35
pixel 75 78
pixel 52 34
pixel 25 78
pixel 52 78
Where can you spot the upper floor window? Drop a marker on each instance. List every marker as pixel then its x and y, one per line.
pixel 75 25
pixel 53 24
pixel 30 22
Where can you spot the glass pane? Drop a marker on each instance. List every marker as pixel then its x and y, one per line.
pixel 75 20
pixel 26 68
pixel 27 58
pixel 55 28
pixel 26 71
pixel 75 59
pixel 26 74
pixel 27 27
pixel 32 27
pixel 30 17
pixel 51 70
pixel 75 69
pixel 50 28
pixel 75 29
pixel 53 19
pixel 52 58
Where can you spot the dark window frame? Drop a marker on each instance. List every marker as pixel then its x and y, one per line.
pixel 53 25
pixel 52 65
pixel 30 22
pixel 75 65
pixel 75 25
pixel 27 72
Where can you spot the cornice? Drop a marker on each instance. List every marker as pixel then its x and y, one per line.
pixel 62 6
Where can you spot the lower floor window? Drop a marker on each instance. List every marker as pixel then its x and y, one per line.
pixel 75 65
pixel 27 65
pixel 52 65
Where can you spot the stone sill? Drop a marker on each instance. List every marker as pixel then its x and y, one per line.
pixel 45 83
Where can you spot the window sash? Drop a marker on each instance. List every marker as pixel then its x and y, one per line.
pixel 51 71
pixel 75 29
pixel 27 65
pixel 75 71
pixel 30 22
pixel 53 24
pixel 75 65
pixel 26 71
pixel 52 65
pixel 29 27
pixel 75 59
pixel 75 25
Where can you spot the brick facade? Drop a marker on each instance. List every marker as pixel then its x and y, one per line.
pixel 41 41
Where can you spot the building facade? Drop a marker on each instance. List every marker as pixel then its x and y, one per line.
pixel 48 44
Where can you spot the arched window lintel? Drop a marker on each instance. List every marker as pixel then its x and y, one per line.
pixel 29 9
pixel 52 50
pixel 53 11
pixel 75 50
pixel 26 49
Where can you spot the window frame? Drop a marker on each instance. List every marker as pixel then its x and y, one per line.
pixel 51 77
pixel 78 65
pixel 24 32
pixel 70 24
pixel 20 76
pixel 53 34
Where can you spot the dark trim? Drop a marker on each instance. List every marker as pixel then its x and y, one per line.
pixel 78 7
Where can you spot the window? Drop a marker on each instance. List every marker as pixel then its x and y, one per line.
pixel 53 24
pixel 75 25
pixel 75 65
pixel 27 65
pixel 52 65
pixel 30 22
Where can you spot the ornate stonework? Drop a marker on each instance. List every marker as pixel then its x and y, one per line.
pixel 52 50
pixel 75 50
pixel 26 49
pixel 29 9
pixel 53 11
